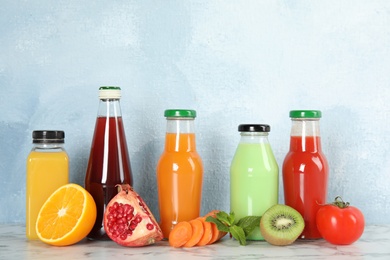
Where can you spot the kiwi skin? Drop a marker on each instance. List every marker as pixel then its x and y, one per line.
pixel 281 225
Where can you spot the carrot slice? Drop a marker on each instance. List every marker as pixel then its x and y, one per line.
pixel 180 234
pixel 217 234
pixel 207 234
pixel 212 213
pixel 197 233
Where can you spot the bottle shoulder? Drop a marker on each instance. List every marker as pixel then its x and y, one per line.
pixel 180 158
pixel 304 159
pixel 173 154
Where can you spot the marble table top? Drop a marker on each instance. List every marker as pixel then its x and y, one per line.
pixel 374 243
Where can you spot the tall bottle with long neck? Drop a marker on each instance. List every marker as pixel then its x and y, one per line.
pixel 109 161
pixel 179 171
pixel 305 169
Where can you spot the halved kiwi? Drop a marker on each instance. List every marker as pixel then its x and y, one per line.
pixel 281 225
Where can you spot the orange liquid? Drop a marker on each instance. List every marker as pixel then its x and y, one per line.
pixel 46 171
pixel 179 181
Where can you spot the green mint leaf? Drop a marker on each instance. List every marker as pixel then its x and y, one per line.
pixel 220 225
pixel 225 218
pixel 239 234
pixel 232 217
pixel 249 223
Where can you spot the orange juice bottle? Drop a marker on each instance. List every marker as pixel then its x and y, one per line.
pixel 179 171
pixel 47 169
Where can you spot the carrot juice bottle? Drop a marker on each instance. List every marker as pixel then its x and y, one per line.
pixel 47 169
pixel 305 170
pixel 109 161
pixel 179 171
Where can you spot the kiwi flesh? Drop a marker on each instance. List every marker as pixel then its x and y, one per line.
pixel 281 225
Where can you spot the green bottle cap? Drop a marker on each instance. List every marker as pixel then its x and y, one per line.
pixel 109 92
pixel 305 114
pixel 180 113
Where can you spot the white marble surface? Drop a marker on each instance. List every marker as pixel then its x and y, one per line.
pixel 375 244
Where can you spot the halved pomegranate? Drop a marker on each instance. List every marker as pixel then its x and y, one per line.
pixel 128 220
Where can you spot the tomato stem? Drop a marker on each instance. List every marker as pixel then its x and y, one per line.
pixel 338 201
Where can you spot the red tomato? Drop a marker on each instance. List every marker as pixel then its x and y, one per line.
pixel 339 223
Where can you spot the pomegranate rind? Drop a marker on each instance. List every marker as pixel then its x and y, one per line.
pixel 140 235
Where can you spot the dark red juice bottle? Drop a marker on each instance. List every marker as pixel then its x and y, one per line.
pixel 305 170
pixel 109 162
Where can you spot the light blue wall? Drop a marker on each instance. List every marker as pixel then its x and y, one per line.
pixel 233 61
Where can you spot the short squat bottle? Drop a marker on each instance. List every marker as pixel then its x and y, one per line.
pixel 109 161
pixel 254 175
pixel 305 169
pixel 47 169
pixel 179 171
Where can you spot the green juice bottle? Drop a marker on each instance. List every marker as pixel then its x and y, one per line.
pixel 254 175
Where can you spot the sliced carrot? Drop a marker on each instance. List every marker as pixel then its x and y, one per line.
pixel 207 234
pixel 221 235
pixel 197 233
pixel 212 213
pixel 180 234
pixel 217 234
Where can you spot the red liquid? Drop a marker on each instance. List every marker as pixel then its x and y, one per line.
pixel 305 178
pixel 108 165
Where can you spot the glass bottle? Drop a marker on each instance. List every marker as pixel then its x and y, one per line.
pixel 254 175
pixel 47 169
pixel 109 161
pixel 179 171
pixel 305 169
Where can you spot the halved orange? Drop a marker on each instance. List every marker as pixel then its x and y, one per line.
pixel 67 216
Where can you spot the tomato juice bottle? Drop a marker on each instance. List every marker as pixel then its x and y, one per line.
pixel 109 162
pixel 254 175
pixel 305 170
pixel 179 171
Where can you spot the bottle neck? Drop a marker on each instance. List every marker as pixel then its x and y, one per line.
pixel 254 137
pixel 109 108
pixel 48 147
pixel 305 135
pixel 180 135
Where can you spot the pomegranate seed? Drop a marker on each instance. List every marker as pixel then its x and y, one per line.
pixel 133 225
pixel 128 209
pixel 150 226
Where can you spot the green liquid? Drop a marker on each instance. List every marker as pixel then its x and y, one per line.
pixel 254 176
